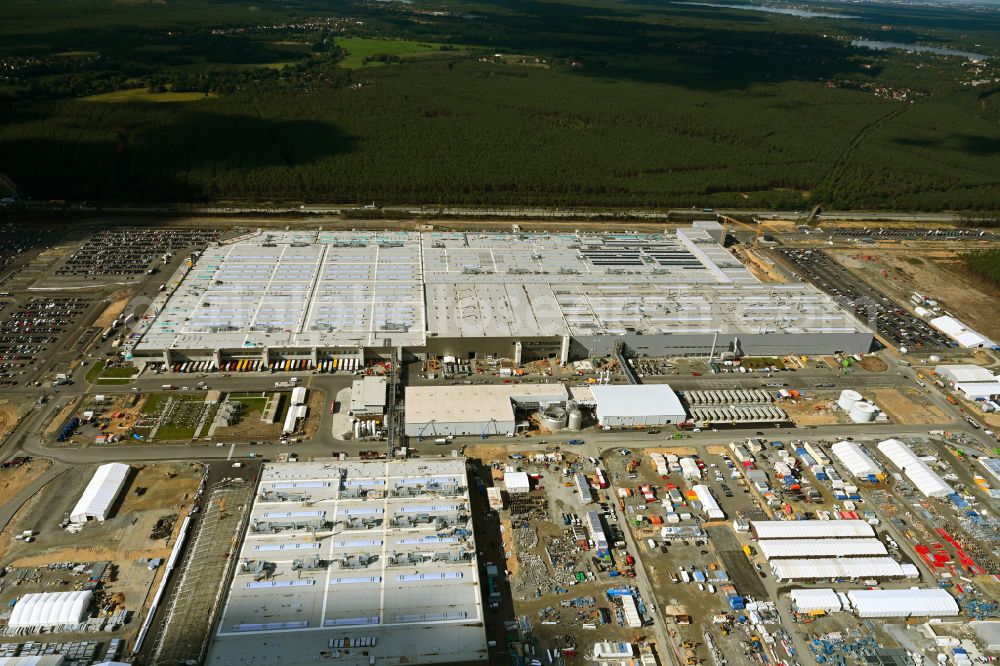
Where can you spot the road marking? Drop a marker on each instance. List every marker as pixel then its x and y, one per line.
pixel 231 449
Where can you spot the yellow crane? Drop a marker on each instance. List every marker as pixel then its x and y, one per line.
pixel 729 220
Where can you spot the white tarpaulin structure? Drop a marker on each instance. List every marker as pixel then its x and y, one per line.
pixel 960 333
pixel 50 609
pixel 708 503
pixel 916 470
pixel 100 493
pixel 803 548
pixel 851 567
pixel 855 459
pixel 516 482
pixel 822 599
pixel 903 603
pixel 810 529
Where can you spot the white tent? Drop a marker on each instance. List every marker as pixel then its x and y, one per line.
pixel 516 482
pixel 810 529
pixel 851 567
pixel 631 406
pixel 708 503
pixel 916 470
pixel 100 493
pixel 821 599
pixel 931 602
pixel 802 548
pixel 49 609
pixel 855 459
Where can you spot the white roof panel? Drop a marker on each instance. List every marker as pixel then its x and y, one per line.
pixel 46 609
pixel 916 470
pixel 932 602
pixel 854 567
pixel 824 599
pixel 855 459
pixel 802 548
pixel 636 401
pixel 810 529
pixel 100 493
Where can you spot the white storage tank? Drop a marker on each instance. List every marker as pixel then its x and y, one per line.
pixel 575 420
pixel 554 418
pixel 863 412
pixel 847 399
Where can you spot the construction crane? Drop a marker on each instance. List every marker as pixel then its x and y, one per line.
pixel 420 435
pixel 729 220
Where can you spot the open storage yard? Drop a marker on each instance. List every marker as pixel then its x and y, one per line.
pixel 116 562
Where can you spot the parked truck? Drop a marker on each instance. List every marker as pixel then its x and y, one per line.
pixel 491 580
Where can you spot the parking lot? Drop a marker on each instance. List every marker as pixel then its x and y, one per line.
pixel 877 234
pixel 873 307
pixel 131 251
pixel 15 240
pixel 36 327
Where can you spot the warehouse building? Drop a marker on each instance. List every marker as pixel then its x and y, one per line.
pixel 932 602
pixel 50 609
pixel 478 409
pixel 916 470
pixel 810 529
pixel 625 406
pixel 825 548
pixel 316 296
pixel 355 580
pixel 100 494
pixel 368 396
pixel 851 568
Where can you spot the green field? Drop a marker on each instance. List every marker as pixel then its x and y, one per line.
pixel 144 95
pixel 606 104
pixel 360 50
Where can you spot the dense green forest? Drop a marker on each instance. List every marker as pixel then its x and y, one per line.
pixel 985 264
pixel 497 102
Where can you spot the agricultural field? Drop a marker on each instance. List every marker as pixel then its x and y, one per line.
pixel 549 104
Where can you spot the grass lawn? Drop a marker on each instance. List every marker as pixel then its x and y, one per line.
pixel 113 381
pixel 120 372
pixel 172 431
pixel 359 48
pixel 143 95
pixel 95 371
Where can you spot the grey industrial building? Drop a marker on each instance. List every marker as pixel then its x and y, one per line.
pixel 319 295
pixel 359 562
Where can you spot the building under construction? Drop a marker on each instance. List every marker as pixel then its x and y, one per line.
pixel 355 561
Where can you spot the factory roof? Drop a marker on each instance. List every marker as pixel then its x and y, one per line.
pixel 475 403
pixel 391 567
pixel 368 392
pixel 811 529
pixel 636 400
pixel 350 289
pixel 802 548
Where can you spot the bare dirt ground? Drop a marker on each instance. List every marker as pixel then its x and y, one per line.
pixel 317 403
pixel 119 301
pixel 937 274
pixel 874 364
pixel 164 485
pixel 814 412
pixel 761 268
pixel 10 413
pixel 13 481
pixel 908 406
